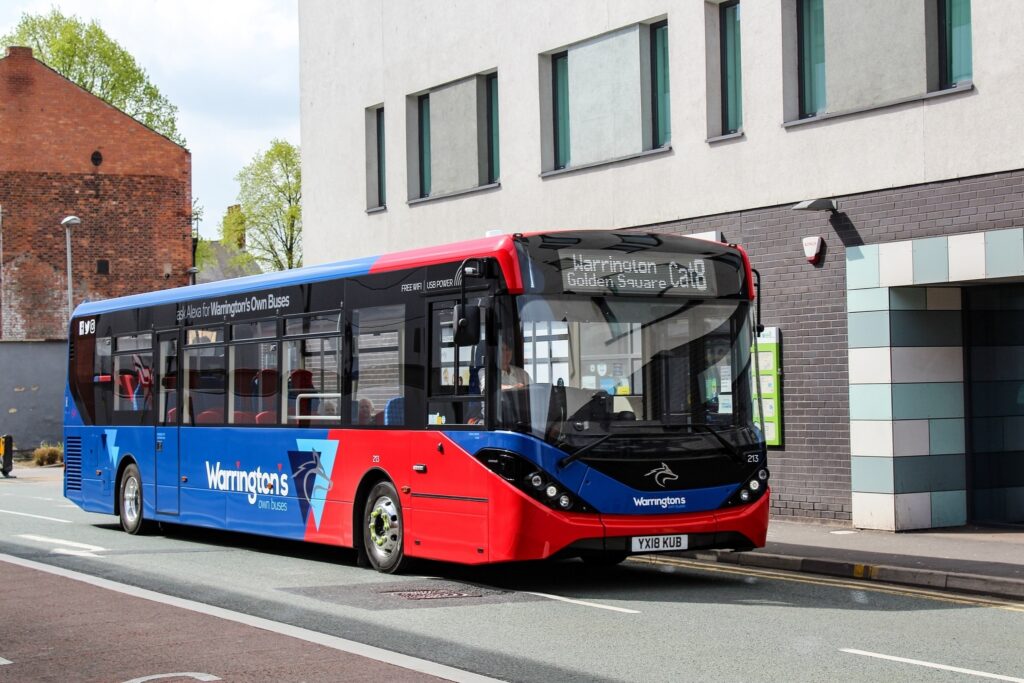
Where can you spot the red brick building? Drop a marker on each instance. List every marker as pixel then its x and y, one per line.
pixel 64 151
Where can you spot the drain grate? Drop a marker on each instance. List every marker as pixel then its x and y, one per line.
pixel 431 594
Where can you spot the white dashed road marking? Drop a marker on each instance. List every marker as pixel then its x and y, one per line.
pixel 932 665
pixel 584 603
pixel 25 514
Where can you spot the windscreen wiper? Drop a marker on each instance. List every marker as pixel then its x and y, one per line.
pixel 579 454
pixel 710 429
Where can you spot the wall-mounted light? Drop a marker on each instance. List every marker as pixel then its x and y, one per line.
pixel 812 249
pixel 823 204
pixel 192 275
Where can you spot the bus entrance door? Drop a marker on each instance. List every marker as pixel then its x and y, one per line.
pixel 165 448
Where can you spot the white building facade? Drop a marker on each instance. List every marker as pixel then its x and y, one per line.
pixel 425 123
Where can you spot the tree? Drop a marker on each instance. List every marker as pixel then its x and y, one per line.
pixel 84 54
pixel 269 222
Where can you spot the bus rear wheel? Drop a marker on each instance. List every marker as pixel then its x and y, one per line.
pixel 130 501
pixel 383 529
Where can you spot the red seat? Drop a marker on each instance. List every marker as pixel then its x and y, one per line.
pixel 172 416
pixel 267 417
pixel 208 417
pixel 243 417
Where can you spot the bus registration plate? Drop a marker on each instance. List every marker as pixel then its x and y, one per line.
pixel 655 544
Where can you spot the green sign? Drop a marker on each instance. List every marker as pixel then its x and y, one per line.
pixel 768 387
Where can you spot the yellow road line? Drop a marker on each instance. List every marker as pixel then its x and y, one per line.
pixel 890 589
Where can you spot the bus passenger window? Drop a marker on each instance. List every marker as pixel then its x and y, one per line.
pixel 204 385
pixel 377 371
pixel 312 369
pixel 103 382
pixel 253 390
pixel 133 379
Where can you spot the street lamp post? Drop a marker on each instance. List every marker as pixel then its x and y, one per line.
pixel 67 223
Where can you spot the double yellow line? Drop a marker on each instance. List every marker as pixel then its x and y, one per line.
pixel 864 571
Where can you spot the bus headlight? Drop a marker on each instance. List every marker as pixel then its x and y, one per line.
pixel 744 495
pixel 525 476
pixel 754 484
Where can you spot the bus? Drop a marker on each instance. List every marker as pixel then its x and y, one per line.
pixel 516 397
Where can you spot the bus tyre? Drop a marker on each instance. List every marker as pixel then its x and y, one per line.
pixel 383 529
pixel 130 499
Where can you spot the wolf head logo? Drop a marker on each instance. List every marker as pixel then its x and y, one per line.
pixel 306 476
pixel 662 475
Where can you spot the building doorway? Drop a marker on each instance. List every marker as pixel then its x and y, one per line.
pixel 994 337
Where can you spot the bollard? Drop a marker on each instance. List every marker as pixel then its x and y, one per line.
pixel 6 455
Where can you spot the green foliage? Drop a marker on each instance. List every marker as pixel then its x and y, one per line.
pixel 84 54
pixel 269 223
pixel 204 253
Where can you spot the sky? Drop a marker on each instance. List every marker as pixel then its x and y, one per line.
pixel 230 66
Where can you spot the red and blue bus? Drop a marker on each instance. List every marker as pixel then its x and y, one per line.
pixel 516 397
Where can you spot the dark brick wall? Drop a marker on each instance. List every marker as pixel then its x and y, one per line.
pixel 135 205
pixel 136 223
pixel 811 473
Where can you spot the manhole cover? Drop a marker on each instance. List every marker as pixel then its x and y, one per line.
pixel 431 594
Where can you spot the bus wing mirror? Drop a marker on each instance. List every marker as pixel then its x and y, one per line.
pixel 467 324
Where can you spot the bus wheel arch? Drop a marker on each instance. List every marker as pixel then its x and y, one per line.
pixel 378 524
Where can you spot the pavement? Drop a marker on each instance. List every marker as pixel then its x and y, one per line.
pixel 969 559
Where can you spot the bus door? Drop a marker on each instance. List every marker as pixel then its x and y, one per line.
pixel 449 491
pixel 168 417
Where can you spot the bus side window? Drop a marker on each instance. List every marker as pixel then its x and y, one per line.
pixel 378 383
pixel 312 373
pixel 456 373
pixel 204 385
pixel 103 383
pixel 252 398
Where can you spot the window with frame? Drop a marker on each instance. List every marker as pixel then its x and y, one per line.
pixel 167 410
pixel 376 184
pixel 606 98
pixel 732 79
pixel 423 104
pixel 378 382
pixel 493 160
pixel 205 375
pixel 661 120
pixel 103 380
pixel 955 59
pixel 811 56
pixel 311 369
pixel 456 372
pixel 133 379
pixel 456 124
pixel 560 107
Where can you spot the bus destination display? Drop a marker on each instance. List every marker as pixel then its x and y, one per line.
pixel 657 273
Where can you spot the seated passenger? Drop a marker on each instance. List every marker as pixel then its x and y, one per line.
pixel 365 415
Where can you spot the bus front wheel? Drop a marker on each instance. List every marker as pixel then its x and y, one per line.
pixel 383 529
pixel 130 499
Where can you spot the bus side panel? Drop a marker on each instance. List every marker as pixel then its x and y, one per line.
pixel 103 451
pixel 359 452
pixel 265 481
pixel 448 501
pixel 523 529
